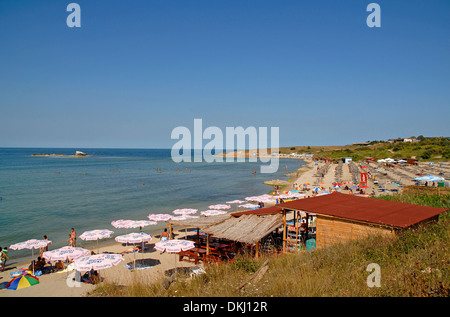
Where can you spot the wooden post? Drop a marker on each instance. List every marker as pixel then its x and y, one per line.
pixel 207 244
pixel 296 230
pixel 257 250
pixel 284 231
pixel 170 231
pixel 306 229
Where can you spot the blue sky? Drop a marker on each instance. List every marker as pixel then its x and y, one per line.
pixel 137 69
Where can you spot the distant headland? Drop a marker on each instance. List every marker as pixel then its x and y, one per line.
pixel 77 154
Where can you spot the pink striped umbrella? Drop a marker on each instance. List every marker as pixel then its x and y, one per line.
pixel 30 244
pixel 65 253
pixel 248 206
pixel 235 202
pixel 213 212
pixel 97 262
pixel 174 246
pixel 132 223
pixel 136 237
pixel 160 217
pixel 96 235
pixel 185 211
pixel 219 206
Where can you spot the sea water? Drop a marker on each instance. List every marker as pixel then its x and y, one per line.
pixel 49 195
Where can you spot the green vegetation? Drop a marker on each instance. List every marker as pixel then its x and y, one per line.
pixel 415 263
pixel 435 148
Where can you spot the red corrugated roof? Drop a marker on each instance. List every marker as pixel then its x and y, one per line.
pixel 365 209
pixel 260 211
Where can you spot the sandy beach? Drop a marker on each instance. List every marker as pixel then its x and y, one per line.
pixel 324 174
pixel 60 284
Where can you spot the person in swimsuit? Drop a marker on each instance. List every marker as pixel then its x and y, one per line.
pixel 73 238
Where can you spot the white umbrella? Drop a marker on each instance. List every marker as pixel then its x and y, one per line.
pixel 429 178
pixel 138 237
pixel 236 202
pixel 30 244
pixel 219 206
pixel 65 253
pixel 97 261
pixel 132 223
pixel 248 206
pixel 160 217
pixel 96 235
pixel 174 246
pixel 185 211
pixel 213 212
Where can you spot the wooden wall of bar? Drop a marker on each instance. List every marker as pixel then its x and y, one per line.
pixel 331 230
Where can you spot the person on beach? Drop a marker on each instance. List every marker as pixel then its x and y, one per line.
pixel 136 248
pixel 3 258
pixel 73 237
pixel 41 250
pixel 164 235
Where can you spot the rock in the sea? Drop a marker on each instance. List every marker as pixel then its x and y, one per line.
pixel 79 153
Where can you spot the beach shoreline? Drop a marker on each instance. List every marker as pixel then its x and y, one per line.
pixel 55 284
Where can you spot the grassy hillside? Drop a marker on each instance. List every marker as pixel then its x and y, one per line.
pixel 416 263
pixel 436 148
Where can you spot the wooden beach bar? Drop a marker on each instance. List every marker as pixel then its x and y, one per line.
pixel 301 224
pixel 342 217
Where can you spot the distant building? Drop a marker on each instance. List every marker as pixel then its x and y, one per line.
pixel 395 140
pixel 362 144
pixel 346 160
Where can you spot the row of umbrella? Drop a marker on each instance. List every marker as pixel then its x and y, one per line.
pixel 83 261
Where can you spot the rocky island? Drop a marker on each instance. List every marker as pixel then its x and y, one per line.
pixel 77 154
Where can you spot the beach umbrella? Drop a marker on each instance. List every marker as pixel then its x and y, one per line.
pixel 185 211
pixel 321 183
pixel 97 261
pixel 337 186
pixel 65 253
pixel 22 282
pixel 219 206
pixel 138 237
pixel 174 246
pixel 213 212
pixel 235 202
pixel 132 223
pixel 293 191
pixel 248 206
pixel 316 189
pixel 429 178
pixel 363 186
pixel 30 244
pixel 121 223
pixel 260 197
pixel 96 235
pixel 160 217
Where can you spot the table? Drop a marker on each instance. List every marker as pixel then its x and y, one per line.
pixel 194 254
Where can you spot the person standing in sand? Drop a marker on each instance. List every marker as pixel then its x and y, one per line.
pixel 73 238
pixel 3 258
pixel 41 250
